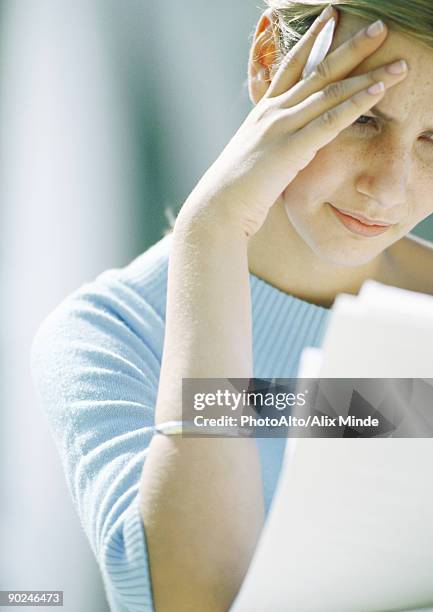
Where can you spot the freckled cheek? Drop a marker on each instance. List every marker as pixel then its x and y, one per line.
pixel 321 179
pixel 421 198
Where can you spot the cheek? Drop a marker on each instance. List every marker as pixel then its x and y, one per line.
pixel 420 195
pixel 423 196
pixel 319 180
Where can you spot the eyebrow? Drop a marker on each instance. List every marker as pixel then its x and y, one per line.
pixel 385 117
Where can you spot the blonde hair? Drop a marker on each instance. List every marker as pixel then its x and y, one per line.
pixel 411 17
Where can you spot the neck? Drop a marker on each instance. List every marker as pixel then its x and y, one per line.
pixel 279 256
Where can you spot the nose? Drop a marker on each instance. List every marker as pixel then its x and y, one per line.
pixel 386 178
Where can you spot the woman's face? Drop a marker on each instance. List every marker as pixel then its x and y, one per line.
pixel 381 169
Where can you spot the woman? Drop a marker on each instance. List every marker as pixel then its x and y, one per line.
pixel 259 251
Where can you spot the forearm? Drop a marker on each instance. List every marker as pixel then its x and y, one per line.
pixel 201 499
pixel 208 317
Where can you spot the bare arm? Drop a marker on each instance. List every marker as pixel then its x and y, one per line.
pixel 203 504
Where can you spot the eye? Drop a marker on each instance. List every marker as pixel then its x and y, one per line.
pixel 365 121
pixel 427 137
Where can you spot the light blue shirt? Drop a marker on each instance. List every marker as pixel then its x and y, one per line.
pixel 96 362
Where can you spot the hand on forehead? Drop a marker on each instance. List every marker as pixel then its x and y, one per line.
pixel 416 91
pixel 395 46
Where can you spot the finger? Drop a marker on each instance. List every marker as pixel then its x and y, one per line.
pixel 322 130
pixel 334 94
pixel 338 64
pixel 293 63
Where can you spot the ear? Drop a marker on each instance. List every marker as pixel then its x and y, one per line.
pixel 262 58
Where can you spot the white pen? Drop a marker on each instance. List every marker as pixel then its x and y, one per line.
pixel 320 48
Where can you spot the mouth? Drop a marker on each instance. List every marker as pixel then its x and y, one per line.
pixel 360 227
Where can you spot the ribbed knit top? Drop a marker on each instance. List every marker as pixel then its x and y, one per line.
pixel 96 362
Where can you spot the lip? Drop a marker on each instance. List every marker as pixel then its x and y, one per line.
pixel 356 226
pixel 362 219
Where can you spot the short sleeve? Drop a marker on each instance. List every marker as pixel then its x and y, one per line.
pixel 95 364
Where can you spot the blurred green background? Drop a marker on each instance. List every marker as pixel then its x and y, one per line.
pixel 425 229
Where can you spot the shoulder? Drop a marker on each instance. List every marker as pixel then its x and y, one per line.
pixel 137 289
pixel 110 326
pixel 412 264
pixel 146 275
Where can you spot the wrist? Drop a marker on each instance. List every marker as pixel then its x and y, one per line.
pixel 211 220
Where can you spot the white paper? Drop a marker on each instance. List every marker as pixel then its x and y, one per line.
pixel 350 528
pixel 385 332
pixel 311 363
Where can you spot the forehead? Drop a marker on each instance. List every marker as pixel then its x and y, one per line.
pixel 415 93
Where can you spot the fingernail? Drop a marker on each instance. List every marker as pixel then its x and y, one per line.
pixel 375 28
pixel 377 88
pixel 397 67
pixel 326 13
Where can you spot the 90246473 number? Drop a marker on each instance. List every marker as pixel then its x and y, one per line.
pixel 31 598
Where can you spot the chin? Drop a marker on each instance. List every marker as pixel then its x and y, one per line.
pixel 331 242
